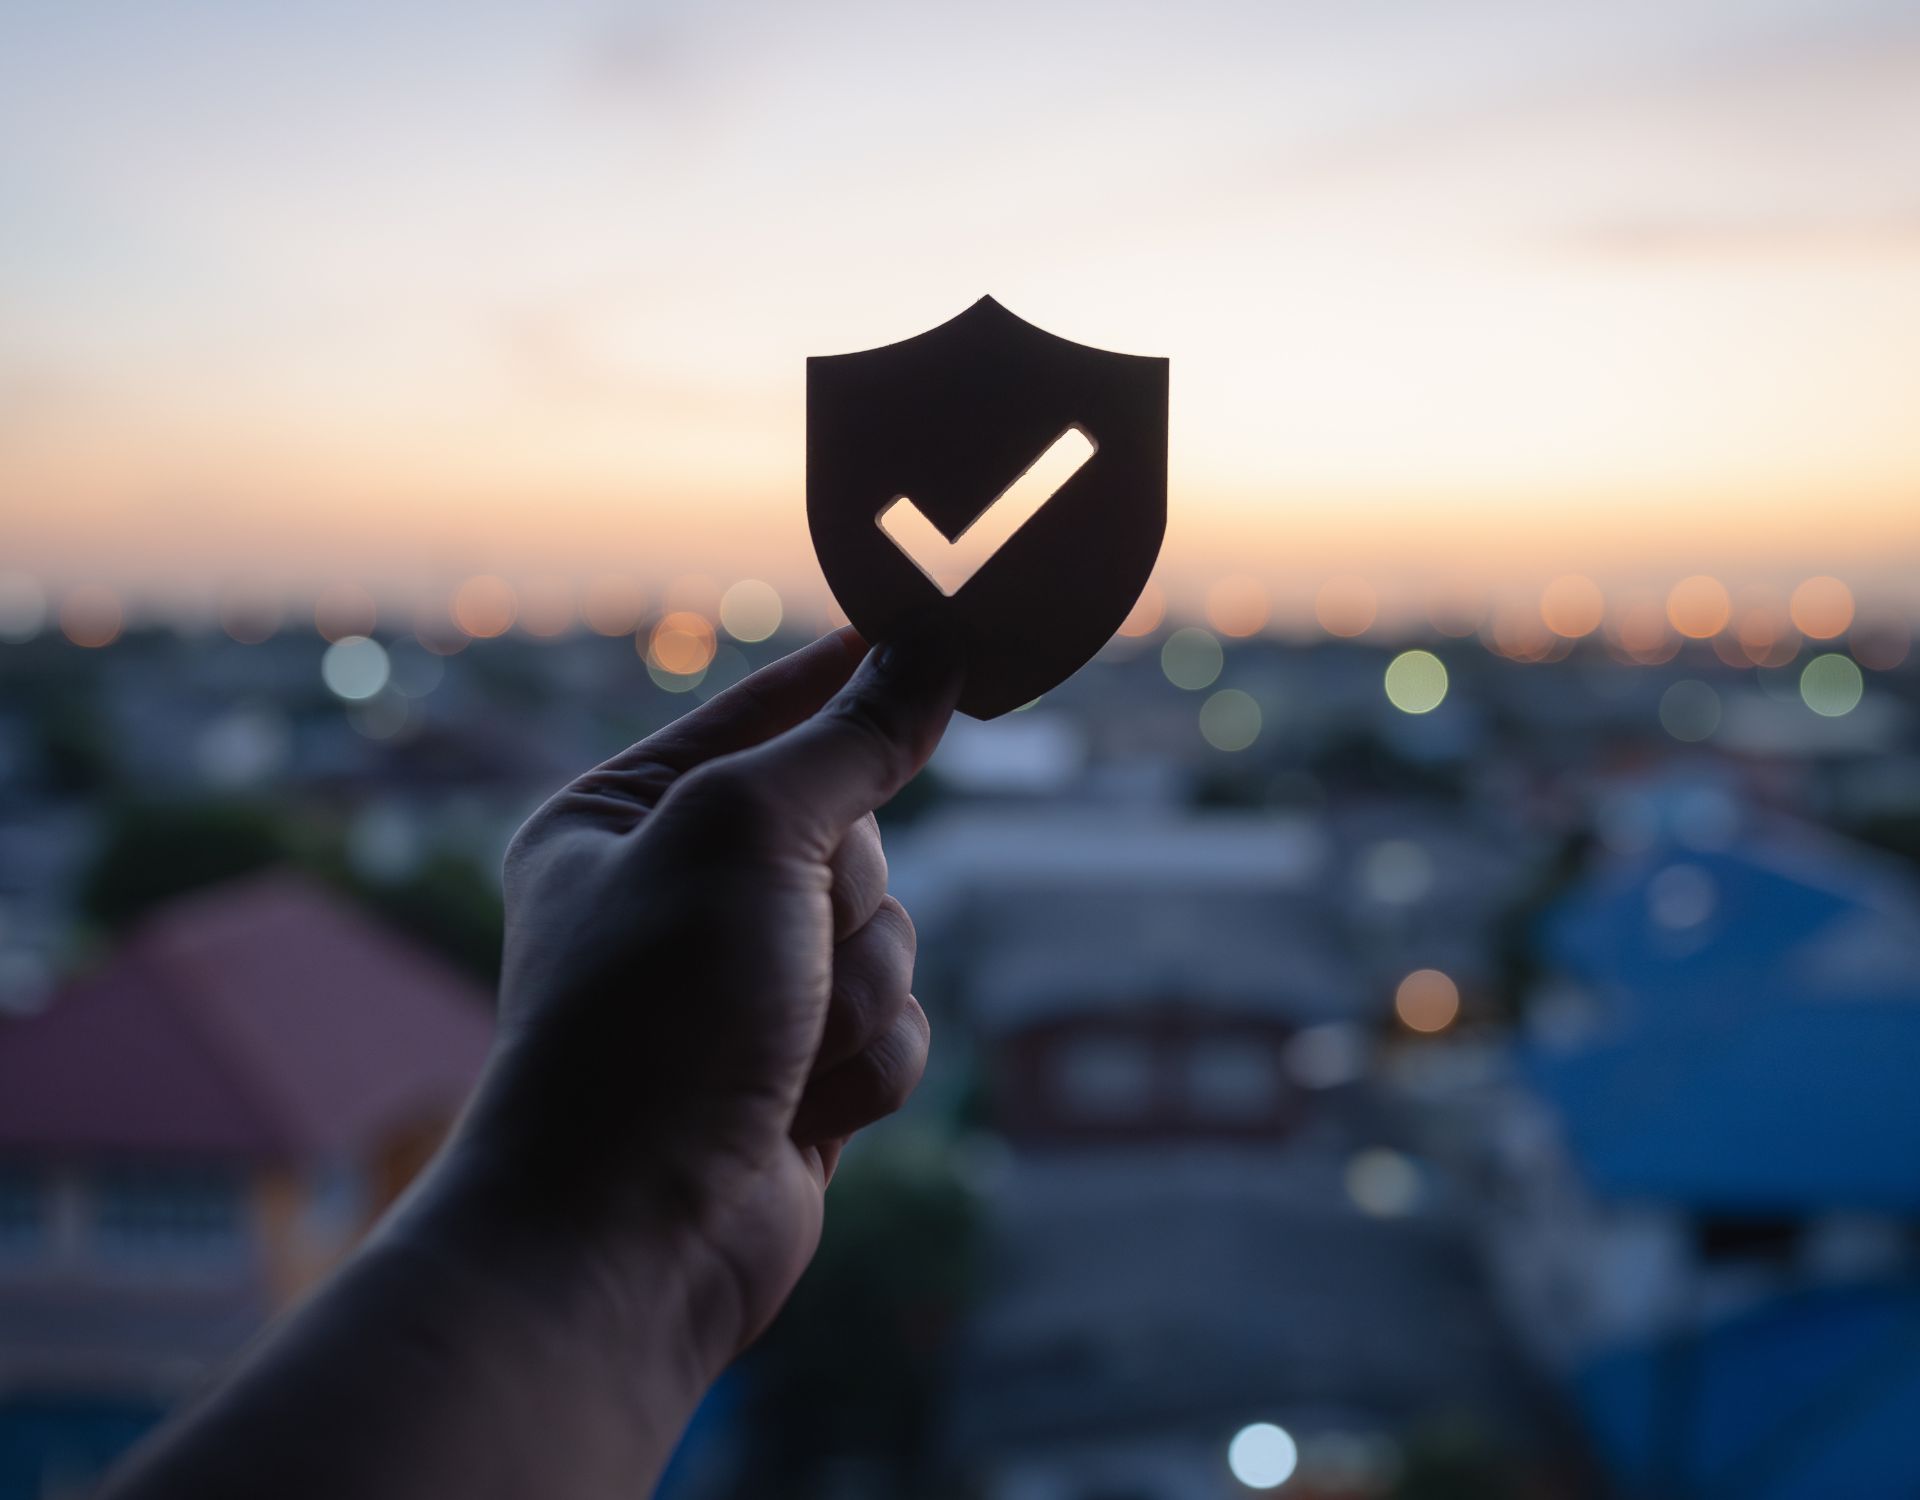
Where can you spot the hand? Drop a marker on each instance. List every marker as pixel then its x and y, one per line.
pixel 706 986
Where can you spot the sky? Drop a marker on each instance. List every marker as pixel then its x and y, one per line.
pixel 400 292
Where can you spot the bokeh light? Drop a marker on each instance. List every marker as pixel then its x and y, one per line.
pixel 485 606
pixel 1263 1456
pixel 1640 626
pixel 1457 608
pixel 1427 1001
pixel 1690 710
pixel 1382 1182
pixel 1191 659
pixel 1831 685
pixel 434 628
pixel 1766 637
pixel 1230 720
pixel 1147 612
pixel 750 610
pixel 355 668
pixel 1822 608
pixel 1239 605
pixel 1346 606
pixel 344 609
pixel 1416 682
pixel 1698 607
pixel 547 607
pixel 1880 643
pixel 1572 606
pixel 682 645
pixel 23 608
pixel 612 605
pixel 91 615
pixel 250 614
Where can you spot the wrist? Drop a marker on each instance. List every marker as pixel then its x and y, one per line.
pixel 608 1253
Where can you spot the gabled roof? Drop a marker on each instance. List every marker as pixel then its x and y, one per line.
pixel 263 1019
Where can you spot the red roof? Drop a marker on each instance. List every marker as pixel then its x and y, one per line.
pixel 264 1019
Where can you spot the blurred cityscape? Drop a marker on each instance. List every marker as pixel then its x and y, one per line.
pixel 1469 1056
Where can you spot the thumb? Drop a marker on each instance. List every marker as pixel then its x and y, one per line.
pixel 867 742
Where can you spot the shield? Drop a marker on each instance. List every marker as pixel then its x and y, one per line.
pixel 994 483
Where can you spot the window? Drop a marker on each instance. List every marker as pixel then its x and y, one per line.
pixel 23 1213
pixel 168 1214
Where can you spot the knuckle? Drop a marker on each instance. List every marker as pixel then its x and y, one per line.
pixel 726 802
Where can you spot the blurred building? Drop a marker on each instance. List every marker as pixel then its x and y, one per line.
pixel 1206 1211
pixel 190 1135
pixel 1717 1211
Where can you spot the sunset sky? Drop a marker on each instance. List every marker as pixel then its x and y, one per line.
pixel 404 291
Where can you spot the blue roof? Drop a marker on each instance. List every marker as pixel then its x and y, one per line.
pixel 1789 1108
pixel 1733 1066
pixel 1810 1397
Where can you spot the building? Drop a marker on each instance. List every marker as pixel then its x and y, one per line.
pixel 1714 1225
pixel 190 1135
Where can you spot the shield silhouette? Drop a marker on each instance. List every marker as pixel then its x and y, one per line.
pixel 920 457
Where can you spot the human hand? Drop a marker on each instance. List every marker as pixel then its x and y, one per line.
pixel 706 987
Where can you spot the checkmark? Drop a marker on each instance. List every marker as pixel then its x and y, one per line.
pixel 949 564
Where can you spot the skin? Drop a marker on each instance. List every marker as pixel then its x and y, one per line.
pixel 706 991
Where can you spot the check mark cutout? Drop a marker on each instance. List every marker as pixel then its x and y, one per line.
pixel 949 564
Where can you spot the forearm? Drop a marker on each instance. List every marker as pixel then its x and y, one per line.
pixel 464 1351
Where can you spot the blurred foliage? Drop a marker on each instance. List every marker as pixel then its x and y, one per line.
pixel 152 852
pixel 854 1368
pixel 1457 1461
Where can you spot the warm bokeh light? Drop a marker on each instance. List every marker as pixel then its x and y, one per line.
pixel 1191 658
pixel 1147 612
pixel 1822 608
pixel 750 610
pixel 344 609
pixel 1640 626
pixel 1766 637
pixel 547 608
pixel 1698 607
pixel 1516 631
pixel 1427 1001
pixel 1572 606
pixel 1230 720
pixel 485 606
pixel 682 644
pixel 1346 606
pixel 613 605
pixel 91 615
pixel 1239 605
pixel 1416 682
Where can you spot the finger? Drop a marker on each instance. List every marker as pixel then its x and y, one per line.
pixel 859 868
pixel 872 983
pixel 866 743
pixel 756 708
pixel 869 1085
pixel 829 1154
